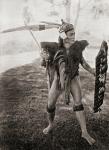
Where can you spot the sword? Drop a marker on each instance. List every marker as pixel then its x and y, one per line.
pixel 38 27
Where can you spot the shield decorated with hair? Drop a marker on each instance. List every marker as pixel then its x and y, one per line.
pixel 101 72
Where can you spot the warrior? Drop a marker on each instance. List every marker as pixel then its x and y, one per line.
pixel 62 61
pixel 64 76
pixel 62 64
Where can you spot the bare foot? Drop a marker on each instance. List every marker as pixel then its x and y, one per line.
pixel 48 129
pixel 88 138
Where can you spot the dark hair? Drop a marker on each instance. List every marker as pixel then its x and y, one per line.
pixel 60 41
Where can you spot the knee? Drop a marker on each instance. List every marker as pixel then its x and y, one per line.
pixel 51 106
pixel 77 100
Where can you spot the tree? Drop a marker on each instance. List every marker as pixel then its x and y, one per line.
pixel 63 3
pixel 50 1
pixel 78 13
pixel 68 8
pixel 100 8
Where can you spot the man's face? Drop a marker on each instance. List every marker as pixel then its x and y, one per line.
pixel 70 34
pixel 70 38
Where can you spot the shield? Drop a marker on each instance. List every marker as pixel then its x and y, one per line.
pixel 100 80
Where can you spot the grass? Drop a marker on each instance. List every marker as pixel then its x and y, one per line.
pixel 23 99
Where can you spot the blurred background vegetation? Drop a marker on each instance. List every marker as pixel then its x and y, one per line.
pixel 90 18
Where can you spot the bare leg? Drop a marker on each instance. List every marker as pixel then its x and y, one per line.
pixel 49 128
pixel 52 98
pixel 76 93
pixel 62 74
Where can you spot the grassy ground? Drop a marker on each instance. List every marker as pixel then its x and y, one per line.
pixel 23 98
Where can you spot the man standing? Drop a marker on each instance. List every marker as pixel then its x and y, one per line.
pixel 67 60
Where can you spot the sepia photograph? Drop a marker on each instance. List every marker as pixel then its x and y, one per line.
pixel 54 75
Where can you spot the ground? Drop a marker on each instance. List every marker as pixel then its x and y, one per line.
pixel 23 99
